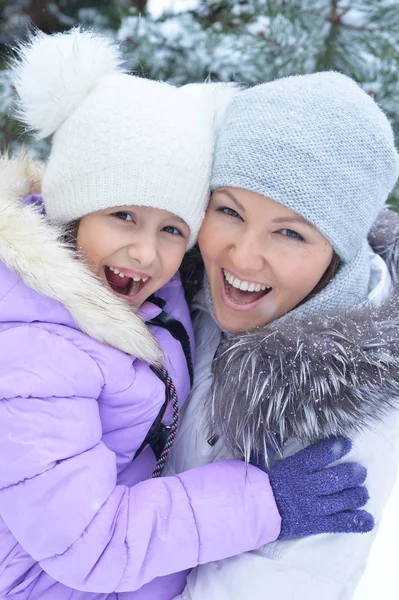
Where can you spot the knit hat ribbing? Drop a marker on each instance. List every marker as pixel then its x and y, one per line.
pixel 118 139
pixel 319 145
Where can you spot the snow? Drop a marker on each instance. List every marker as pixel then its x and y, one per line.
pixel 157 7
pixel 354 18
pixel 381 579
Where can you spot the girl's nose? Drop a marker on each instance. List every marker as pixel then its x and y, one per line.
pixel 143 251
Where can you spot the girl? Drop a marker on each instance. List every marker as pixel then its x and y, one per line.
pixel 301 313
pixel 82 423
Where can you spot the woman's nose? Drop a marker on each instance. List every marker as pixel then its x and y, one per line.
pixel 247 254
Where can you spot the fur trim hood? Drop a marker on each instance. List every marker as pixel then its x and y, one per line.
pixel 327 376
pixel 31 248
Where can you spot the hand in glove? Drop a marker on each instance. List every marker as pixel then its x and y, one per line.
pixel 312 499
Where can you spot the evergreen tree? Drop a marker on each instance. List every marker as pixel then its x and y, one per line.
pixel 249 41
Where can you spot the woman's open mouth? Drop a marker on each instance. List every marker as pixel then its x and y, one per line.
pixel 122 284
pixel 242 293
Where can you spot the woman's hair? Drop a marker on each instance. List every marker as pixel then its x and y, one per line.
pixel 192 271
pixel 325 279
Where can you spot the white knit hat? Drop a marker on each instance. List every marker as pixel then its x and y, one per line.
pixel 118 139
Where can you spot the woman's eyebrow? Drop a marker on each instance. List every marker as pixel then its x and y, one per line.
pixel 293 219
pixel 287 219
pixel 233 198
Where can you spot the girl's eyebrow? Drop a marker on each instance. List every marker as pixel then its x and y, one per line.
pixel 180 219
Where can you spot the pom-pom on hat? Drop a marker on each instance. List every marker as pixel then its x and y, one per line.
pixel 117 139
pixel 319 145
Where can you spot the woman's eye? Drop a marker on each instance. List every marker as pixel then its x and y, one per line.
pixel 124 216
pixel 172 230
pixel 226 210
pixel 292 234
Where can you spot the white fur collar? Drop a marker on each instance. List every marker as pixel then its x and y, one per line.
pixel 31 248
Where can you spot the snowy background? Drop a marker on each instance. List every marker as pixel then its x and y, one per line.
pixel 249 41
pixel 381 579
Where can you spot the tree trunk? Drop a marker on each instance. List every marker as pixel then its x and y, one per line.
pixel 141 5
pixel 41 17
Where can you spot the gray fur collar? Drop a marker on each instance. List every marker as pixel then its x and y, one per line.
pixel 31 248
pixel 328 376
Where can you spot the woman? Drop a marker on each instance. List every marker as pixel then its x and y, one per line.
pixel 303 166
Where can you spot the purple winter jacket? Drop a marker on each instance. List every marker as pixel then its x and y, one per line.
pixel 79 518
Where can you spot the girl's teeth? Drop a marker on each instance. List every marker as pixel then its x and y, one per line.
pixel 122 275
pixel 243 285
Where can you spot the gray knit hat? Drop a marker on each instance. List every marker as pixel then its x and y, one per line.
pixel 319 145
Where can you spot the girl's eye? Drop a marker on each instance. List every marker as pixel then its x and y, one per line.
pixel 123 216
pixel 292 234
pixel 172 230
pixel 226 210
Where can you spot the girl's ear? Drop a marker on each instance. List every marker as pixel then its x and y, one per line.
pixel 20 174
pixel 214 97
pixel 34 171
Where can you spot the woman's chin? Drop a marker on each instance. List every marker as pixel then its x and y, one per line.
pixel 233 322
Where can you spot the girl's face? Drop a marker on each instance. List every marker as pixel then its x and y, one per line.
pixel 261 258
pixel 135 250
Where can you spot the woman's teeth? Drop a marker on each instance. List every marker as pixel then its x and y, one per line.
pixel 122 275
pixel 245 286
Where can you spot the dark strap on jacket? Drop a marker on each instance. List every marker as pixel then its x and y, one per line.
pixel 160 435
pixel 171 396
pixel 176 329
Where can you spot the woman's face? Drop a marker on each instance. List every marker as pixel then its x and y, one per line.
pixel 261 258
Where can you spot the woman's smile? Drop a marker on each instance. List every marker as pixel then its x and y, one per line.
pixel 261 258
pixel 240 294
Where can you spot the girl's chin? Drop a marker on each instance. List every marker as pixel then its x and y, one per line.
pixel 137 300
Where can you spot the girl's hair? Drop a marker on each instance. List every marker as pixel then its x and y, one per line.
pixel 71 234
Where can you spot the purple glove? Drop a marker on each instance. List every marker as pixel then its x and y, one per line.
pixel 312 499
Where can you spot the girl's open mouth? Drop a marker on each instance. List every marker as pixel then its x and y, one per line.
pixel 243 293
pixel 120 283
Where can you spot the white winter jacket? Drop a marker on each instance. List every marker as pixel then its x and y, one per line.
pixel 322 567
